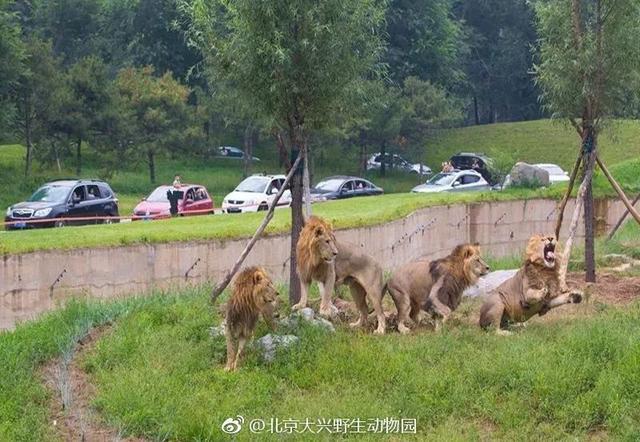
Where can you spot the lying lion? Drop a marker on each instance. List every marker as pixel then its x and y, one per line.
pixel 253 295
pixel 323 259
pixel 533 290
pixel 435 286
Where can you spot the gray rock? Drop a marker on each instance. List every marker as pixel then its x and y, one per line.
pixel 524 174
pixel 269 344
pixel 489 282
pixel 220 330
pixel 306 313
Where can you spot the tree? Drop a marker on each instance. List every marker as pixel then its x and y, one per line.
pixel 294 60
pixel 34 95
pixel 154 111
pixel 11 60
pixel 588 61
pixel 499 35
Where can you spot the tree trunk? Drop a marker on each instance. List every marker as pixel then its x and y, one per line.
pixel 79 157
pixel 475 110
pixel 152 165
pixel 27 137
pixel 589 162
pixel 297 220
pixel 248 150
pixel 383 158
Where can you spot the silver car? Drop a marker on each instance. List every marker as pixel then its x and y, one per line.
pixel 456 181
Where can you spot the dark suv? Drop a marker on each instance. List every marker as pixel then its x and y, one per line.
pixel 58 202
pixel 474 161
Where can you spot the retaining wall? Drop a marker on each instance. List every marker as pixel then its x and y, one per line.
pixel 502 228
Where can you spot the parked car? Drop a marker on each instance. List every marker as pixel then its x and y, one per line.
pixel 62 199
pixel 338 187
pixel 556 174
pixel 233 152
pixel 474 161
pixel 396 162
pixel 194 200
pixel 456 181
pixel 256 193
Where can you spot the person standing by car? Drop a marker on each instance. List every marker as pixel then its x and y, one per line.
pixel 174 195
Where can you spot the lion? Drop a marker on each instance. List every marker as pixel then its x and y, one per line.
pixel 534 289
pixel 321 258
pixel 435 286
pixel 253 295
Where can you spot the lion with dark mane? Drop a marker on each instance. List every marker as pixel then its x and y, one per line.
pixel 435 286
pixel 533 290
pixel 321 258
pixel 253 295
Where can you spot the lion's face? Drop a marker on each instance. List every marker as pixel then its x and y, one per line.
pixel 473 262
pixel 541 250
pixel 264 293
pixel 325 244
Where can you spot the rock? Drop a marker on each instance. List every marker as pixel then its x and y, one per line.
pixel 524 174
pixel 269 344
pixel 307 313
pixel 489 282
pixel 220 330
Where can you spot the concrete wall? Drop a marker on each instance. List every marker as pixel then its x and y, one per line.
pixel 502 228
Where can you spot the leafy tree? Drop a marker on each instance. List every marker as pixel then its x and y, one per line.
pixel 11 59
pixel 588 66
pixel 294 61
pixel 500 34
pixel 34 95
pixel 153 112
pixel 424 41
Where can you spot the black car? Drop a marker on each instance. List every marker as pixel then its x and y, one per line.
pixel 56 202
pixel 233 152
pixel 338 187
pixel 474 161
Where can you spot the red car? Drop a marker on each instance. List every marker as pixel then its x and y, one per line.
pixel 193 200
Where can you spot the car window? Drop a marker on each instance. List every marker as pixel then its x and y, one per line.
pixel 78 194
pixel 255 184
pixel 332 185
pixel 442 179
pixel 469 179
pixel 360 184
pixel 50 194
pixel 159 195
pixel 93 192
pixel 348 186
pixel 105 192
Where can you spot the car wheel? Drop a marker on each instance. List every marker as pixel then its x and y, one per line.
pixel 262 207
pixel 60 223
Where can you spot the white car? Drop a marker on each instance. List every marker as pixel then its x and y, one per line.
pixel 396 162
pixel 456 181
pixel 556 174
pixel 256 193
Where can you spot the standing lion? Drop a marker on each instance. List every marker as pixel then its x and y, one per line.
pixel 323 259
pixel 253 295
pixel 435 286
pixel 533 290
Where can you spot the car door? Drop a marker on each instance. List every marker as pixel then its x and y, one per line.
pixel 77 206
pixel 94 203
pixel 347 190
pixel 470 182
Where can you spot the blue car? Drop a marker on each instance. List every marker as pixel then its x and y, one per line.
pixel 340 186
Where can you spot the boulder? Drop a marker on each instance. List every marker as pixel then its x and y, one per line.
pixel 527 175
pixel 269 345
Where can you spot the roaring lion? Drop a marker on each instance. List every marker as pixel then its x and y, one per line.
pixel 253 295
pixel 323 259
pixel 534 289
pixel 435 286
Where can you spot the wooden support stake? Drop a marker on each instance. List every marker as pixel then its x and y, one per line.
pixel 621 220
pixel 219 288
pixel 619 190
pixel 563 203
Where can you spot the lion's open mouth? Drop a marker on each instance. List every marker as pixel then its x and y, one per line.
pixel 550 254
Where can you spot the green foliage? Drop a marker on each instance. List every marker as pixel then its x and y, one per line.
pixel 592 67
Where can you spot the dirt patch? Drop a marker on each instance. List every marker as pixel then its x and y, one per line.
pixel 609 288
pixel 72 415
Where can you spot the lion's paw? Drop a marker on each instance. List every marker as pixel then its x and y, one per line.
pixel 379 331
pixel 501 332
pixel 403 329
pixel 298 306
pixel 575 297
pixel 328 311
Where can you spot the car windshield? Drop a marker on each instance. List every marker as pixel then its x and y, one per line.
pixel 442 179
pixel 255 184
pixel 50 194
pixel 330 185
pixel 159 195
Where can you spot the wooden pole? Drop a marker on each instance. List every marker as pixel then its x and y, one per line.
pixel 619 190
pixel 563 203
pixel 621 220
pixel 219 288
